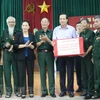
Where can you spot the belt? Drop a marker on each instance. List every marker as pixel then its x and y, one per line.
pixel 47 50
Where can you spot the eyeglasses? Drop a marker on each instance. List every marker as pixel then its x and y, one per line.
pixel 11 22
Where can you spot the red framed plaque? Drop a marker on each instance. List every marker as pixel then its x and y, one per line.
pixel 68 47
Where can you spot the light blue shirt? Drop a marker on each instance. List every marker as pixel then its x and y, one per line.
pixel 63 33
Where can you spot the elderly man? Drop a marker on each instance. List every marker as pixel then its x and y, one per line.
pixel 96 58
pixel 45 57
pixel 87 68
pixel 9 57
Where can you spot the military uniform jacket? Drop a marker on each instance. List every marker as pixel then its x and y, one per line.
pixel 96 45
pixel 45 45
pixel 6 37
pixel 88 37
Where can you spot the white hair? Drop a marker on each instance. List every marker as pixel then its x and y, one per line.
pixel 10 17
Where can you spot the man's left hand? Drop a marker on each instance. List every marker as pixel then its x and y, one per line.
pixel 44 38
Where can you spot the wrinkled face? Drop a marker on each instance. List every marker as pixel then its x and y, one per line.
pixel 62 20
pixel 44 23
pixel 78 27
pixel 97 23
pixel 11 23
pixel 84 24
pixel 25 27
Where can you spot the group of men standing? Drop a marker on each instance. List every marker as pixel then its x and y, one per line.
pixel 90 61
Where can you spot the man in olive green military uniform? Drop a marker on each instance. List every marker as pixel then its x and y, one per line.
pixel 9 57
pixel 1 70
pixel 87 68
pixel 96 57
pixel 45 57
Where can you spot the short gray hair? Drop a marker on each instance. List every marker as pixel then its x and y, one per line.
pixel 97 17
pixel 11 18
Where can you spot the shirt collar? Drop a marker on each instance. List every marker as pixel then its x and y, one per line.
pixel 97 32
pixel 46 31
pixel 86 31
pixel 61 27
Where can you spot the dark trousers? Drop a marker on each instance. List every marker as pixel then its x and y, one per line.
pixel 87 70
pixel 22 66
pixel 9 61
pixel 63 63
pixel 97 75
pixel 78 71
pixel 46 59
pixel 1 79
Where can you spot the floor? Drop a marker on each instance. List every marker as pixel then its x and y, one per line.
pixel 37 91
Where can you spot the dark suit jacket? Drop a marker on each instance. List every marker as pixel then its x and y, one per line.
pixel 19 39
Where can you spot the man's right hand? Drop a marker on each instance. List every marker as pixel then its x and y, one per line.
pixel 92 60
pixel 7 44
pixel 52 43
